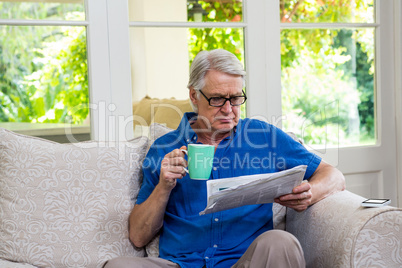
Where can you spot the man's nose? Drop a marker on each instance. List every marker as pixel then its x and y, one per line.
pixel 227 107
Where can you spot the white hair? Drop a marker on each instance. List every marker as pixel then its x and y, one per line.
pixel 219 60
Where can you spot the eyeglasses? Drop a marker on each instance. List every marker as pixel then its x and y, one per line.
pixel 220 101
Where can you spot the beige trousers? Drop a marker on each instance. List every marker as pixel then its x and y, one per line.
pixel 274 249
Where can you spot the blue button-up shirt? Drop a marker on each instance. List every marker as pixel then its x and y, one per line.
pixel 219 239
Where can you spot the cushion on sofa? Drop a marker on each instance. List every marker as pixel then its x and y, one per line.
pixel 164 111
pixel 67 205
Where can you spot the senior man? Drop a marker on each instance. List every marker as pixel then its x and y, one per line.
pixel 169 202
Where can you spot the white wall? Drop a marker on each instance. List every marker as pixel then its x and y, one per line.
pixel 161 67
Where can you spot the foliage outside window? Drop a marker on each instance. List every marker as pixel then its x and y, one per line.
pixel 43 69
pixel 328 94
pixel 231 39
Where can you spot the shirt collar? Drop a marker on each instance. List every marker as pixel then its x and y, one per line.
pixel 185 129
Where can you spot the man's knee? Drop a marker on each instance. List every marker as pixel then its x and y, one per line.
pixel 279 243
pixel 273 248
pixel 277 239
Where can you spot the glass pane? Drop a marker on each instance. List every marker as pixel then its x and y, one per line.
pixel 186 10
pixel 352 11
pixel 43 77
pixel 162 71
pixel 43 10
pixel 328 95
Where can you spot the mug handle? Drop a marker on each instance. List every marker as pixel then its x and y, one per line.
pixel 186 152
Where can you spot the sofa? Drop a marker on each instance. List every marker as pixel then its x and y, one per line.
pixel 67 205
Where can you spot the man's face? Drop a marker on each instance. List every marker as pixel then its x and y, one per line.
pixel 218 84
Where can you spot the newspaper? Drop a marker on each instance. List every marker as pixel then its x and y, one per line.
pixel 253 189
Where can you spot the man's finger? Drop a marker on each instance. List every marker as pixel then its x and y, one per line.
pixel 304 187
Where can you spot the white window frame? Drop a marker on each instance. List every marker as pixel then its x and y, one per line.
pixel 263 60
pixel 109 70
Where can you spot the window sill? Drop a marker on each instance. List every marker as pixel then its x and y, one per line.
pixel 53 132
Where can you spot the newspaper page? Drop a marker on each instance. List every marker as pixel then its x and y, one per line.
pixel 249 190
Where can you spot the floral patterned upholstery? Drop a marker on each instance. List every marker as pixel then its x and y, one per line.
pixel 338 232
pixel 67 205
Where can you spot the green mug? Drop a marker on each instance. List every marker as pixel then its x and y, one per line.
pixel 200 160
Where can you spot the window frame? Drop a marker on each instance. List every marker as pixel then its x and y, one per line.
pixel 58 132
pixel 109 70
pixel 264 63
pixel 352 26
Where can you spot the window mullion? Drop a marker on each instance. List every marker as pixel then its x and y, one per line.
pixel 119 60
pixel 327 25
pixel 187 24
pixel 109 70
pixel 263 62
pixel 98 67
pixel 18 22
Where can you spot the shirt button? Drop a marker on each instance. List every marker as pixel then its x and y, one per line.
pixel 207 258
pixel 215 246
pixel 215 168
pixel 188 140
pixel 216 219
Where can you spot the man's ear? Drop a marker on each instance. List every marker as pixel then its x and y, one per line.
pixel 193 96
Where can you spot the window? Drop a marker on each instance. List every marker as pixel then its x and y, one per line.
pixel 328 71
pixel 165 36
pixel 43 62
pixel 137 47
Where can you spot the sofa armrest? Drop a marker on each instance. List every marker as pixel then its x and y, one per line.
pixel 338 232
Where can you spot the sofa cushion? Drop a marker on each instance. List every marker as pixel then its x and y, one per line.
pixel 67 205
pixel 170 112
pixel 164 111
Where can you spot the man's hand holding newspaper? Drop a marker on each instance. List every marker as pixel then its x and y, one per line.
pixel 249 190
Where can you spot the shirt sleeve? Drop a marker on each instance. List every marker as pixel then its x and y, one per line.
pixel 293 152
pixel 150 171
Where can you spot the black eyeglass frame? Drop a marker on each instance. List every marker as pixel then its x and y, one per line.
pixel 226 99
